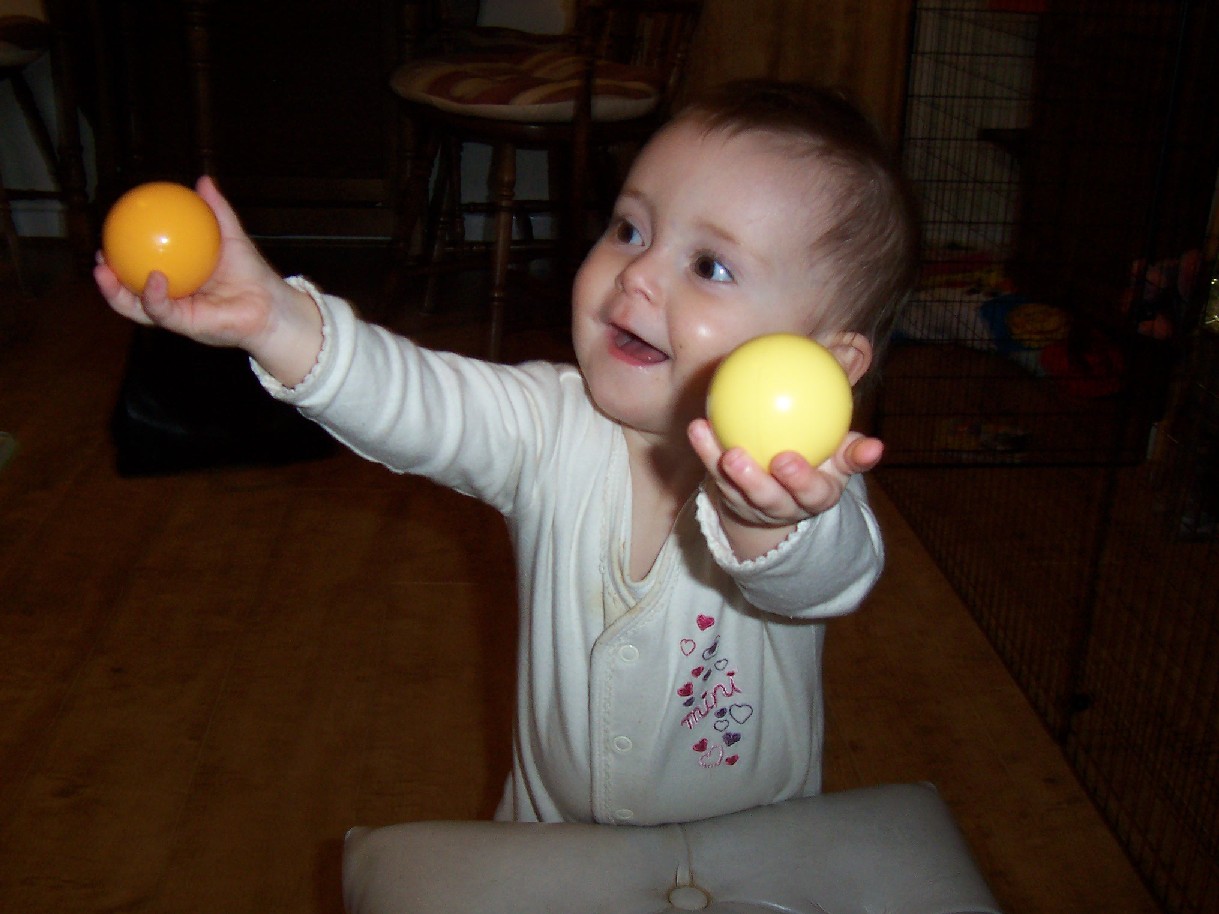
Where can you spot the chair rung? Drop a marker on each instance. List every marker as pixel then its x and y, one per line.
pixel 476 255
pixel 28 194
pixel 518 206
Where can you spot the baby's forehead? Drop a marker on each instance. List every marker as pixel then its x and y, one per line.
pixel 794 158
pixel 787 143
pixel 778 153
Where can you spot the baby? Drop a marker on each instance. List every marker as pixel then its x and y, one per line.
pixel 672 595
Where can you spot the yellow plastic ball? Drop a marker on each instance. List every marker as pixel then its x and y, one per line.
pixel 779 393
pixel 161 226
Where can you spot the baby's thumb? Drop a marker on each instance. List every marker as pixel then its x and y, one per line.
pixel 155 299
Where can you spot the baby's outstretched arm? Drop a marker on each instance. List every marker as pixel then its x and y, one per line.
pixel 244 303
pixel 759 509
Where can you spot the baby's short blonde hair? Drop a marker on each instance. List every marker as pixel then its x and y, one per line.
pixel 870 239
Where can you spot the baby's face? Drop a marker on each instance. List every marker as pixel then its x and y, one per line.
pixel 709 246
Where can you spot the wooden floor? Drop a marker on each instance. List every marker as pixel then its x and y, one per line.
pixel 205 678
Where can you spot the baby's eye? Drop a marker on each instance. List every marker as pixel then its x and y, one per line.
pixel 625 233
pixel 707 267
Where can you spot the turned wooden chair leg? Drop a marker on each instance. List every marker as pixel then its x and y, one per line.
pixel 68 158
pixel 503 191
pixel 577 230
pixel 13 242
pixel 410 202
pixel 445 227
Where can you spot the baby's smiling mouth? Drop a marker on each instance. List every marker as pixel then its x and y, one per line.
pixel 632 348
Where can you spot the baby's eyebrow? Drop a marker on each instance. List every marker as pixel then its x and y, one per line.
pixel 713 228
pixel 630 193
pixel 734 243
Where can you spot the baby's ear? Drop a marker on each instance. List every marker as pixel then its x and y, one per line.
pixel 853 352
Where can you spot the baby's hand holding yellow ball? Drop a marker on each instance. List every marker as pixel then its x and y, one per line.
pixel 780 392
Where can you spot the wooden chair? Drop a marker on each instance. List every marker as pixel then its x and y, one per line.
pixel 29 31
pixel 609 81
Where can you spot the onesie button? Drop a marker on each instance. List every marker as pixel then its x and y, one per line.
pixel 623 815
pixel 689 898
pixel 622 743
pixel 628 653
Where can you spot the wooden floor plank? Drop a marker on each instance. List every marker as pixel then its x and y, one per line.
pixel 61 585
pixel 121 752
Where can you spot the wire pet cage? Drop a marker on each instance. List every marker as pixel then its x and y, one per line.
pixel 1050 406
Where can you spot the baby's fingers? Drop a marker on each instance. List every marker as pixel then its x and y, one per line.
pixel 157 304
pixel 119 298
pixel 814 489
pixel 705 445
pixel 858 454
pixel 735 476
pixel 764 492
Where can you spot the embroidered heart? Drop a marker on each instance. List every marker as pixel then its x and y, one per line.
pixel 720 725
pixel 697 671
pixel 721 712
pixel 730 738
pixel 712 757
pixel 700 746
pixel 732 760
pixel 688 702
pixel 710 652
pixel 740 713
pixel 687 689
pixel 704 622
pixel 721 663
pixel 687 646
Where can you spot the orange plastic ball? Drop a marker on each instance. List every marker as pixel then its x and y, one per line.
pixel 161 226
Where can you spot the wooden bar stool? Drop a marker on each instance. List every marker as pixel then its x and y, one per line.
pixel 609 81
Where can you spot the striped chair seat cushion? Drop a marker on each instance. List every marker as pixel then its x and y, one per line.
pixel 527 86
pixel 486 41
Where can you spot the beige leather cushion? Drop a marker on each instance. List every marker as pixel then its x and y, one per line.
pixel 527 85
pixel 894 849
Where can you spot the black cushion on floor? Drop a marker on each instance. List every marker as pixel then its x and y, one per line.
pixel 184 406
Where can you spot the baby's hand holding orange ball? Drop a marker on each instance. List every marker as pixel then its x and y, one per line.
pixel 165 227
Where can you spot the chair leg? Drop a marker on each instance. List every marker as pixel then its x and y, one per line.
pixel 69 153
pixel 37 126
pixel 13 241
pixel 411 201
pixel 199 28
pixel 503 191
pixel 578 213
pixel 62 166
pixel 445 226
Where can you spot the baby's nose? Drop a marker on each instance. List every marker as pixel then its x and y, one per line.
pixel 643 275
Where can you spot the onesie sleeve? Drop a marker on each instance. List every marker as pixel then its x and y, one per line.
pixel 474 426
pixel 825 567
